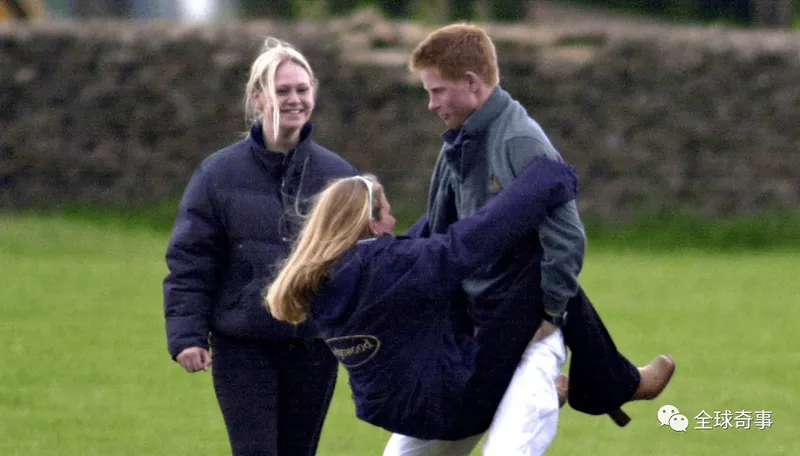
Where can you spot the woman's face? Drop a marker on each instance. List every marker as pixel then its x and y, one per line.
pixel 295 97
pixel 387 221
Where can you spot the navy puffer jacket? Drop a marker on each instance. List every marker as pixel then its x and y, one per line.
pixel 235 223
pixel 386 309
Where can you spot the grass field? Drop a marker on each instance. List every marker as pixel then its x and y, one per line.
pixel 84 370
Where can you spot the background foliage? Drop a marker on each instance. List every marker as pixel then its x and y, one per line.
pixel 730 11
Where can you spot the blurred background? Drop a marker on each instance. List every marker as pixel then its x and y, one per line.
pixel 681 117
pixel 745 12
pixel 671 109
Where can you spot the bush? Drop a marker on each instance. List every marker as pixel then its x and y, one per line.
pixel 338 7
pixel 399 9
pixel 508 10
pixel 285 9
pixel 733 11
pixel 462 10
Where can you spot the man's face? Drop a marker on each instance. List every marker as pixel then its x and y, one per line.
pixel 453 101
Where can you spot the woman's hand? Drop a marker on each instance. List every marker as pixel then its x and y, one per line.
pixel 194 359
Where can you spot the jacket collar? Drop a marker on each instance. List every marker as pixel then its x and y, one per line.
pixel 298 153
pixel 479 121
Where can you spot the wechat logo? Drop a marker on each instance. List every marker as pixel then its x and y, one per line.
pixel 669 415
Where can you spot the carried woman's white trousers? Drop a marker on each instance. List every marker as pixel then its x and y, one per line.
pixel 526 420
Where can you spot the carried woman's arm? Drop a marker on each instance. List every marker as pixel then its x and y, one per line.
pixel 502 224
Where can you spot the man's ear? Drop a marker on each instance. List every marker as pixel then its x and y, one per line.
pixel 474 80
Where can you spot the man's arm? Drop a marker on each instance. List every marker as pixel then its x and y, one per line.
pixel 562 234
pixel 563 242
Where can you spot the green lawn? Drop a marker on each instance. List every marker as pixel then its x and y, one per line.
pixel 85 370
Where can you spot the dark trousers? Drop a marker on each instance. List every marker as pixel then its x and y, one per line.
pixel 601 379
pixel 273 395
pixel 501 340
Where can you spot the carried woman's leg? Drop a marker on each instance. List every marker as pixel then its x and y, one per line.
pixel 501 342
pixel 526 421
pixel 403 445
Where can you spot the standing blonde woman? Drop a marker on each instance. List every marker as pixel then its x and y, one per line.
pixel 237 219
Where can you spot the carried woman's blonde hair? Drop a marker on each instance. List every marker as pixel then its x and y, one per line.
pixel 339 218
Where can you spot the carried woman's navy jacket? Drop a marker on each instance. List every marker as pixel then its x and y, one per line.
pixel 386 307
pixel 238 217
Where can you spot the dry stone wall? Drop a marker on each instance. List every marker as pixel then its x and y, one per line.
pixel 697 121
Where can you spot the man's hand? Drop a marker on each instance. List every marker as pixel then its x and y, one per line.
pixel 545 329
pixel 194 359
